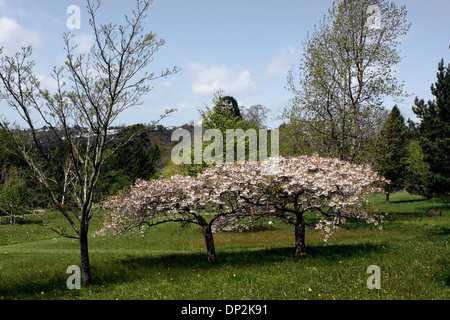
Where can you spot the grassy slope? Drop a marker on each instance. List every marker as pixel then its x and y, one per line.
pixel 412 251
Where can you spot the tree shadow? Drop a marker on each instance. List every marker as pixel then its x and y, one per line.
pixel 107 271
pixel 422 211
pixel 181 262
pixel 53 287
pixel 440 231
pixel 407 201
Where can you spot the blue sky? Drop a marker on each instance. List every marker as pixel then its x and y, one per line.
pixel 245 48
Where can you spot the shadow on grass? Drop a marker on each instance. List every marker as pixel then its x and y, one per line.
pixel 107 271
pixel 420 211
pixel 250 257
pixel 406 201
pixel 440 231
pixel 182 263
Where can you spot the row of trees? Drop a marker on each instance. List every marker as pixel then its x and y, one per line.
pixel 19 193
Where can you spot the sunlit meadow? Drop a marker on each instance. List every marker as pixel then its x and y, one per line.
pixel 412 252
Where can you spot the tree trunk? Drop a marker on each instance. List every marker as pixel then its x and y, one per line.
pixel 85 265
pixel 300 248
pixel 336 222
pixel 210 247
pixel 387 196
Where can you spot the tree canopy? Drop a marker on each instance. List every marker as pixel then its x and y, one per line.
pixel 221 196
pixel 344 75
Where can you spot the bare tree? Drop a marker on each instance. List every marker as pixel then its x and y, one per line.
pixel 93 89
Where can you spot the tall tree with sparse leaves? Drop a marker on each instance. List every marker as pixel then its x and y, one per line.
pixel 345 74
pixel 93 89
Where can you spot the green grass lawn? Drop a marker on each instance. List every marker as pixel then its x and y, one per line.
pixel 412 252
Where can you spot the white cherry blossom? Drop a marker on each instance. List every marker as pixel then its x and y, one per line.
pixel 221 196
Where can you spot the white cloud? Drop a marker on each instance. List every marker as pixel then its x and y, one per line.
pixel 208 78
pixel 280 65
pixel 163 87
pixel 83 42
pixel 13 36
pixel 48 82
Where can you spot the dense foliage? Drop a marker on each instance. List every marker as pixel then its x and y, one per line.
pixel 434 134
pixel 391 151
